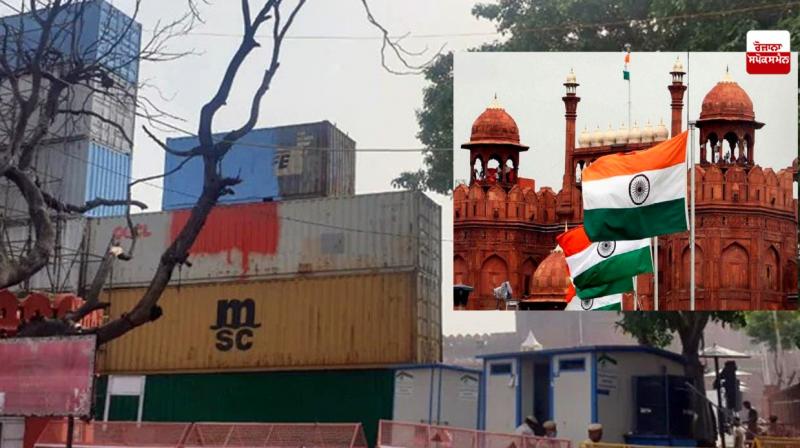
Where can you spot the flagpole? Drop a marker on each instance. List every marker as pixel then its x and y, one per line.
pixel 691 219
pixel 628 51
pixel 655 273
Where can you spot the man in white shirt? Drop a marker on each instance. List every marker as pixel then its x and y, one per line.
pixel 528 427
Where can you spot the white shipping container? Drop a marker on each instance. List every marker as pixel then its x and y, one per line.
pixel 385 232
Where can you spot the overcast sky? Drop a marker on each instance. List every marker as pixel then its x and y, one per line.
pixel 340 80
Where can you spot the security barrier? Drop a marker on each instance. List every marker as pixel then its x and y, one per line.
pixel 414 435
pixel 203 435
pixel 777 442
pixel 113 434
pixel 622 445
pixel 243 435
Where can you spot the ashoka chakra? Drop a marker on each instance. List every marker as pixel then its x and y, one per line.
pixel 639 189
pixel 606 248
pixel 587 304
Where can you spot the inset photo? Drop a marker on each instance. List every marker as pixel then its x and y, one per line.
pixel 624 181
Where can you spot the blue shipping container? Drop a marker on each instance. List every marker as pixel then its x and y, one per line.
pixel 106 33
pixel 306 160
pixel 108 175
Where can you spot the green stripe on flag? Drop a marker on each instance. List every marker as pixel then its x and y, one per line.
pixel 626 75
pixel 613 307
pixel 624 265
pixel 617 224
pixel 615 287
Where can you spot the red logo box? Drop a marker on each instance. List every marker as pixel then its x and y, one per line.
pixel 768 53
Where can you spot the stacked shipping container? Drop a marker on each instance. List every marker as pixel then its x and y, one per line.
pixel 87 157
pixel 290 311
pixel 328 270
pixel 287 162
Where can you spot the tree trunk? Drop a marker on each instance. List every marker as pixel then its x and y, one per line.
pixel 690 330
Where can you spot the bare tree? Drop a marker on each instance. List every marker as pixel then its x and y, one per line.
pixel 277 16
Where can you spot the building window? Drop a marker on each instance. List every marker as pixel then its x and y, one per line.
pixel 575 364
pixel 500 369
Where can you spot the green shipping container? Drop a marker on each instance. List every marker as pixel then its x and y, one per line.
pixel 345 396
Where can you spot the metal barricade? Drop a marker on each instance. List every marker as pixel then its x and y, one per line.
pixel 204 435
pixel 275 435
pixel 622 445
pixel 776 442
pixel 393 434
pixel 113 434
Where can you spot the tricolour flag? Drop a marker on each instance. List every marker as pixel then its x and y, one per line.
pixel 607 303
pixel 636 195
pixel 617 286
pixel 626 74
pixel 592 265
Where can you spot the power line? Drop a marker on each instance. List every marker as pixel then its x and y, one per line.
pixel 567 25
pixel 195 197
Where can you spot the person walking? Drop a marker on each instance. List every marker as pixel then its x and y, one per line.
pixel 750 421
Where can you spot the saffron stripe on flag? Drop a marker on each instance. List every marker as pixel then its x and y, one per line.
pixel 592 264
pixel 662 155
pixel 621 202
pixel 637 223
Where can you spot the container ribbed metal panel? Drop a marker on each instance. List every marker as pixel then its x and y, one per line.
pixel 287 162
pixel 309 323
pixel 364 233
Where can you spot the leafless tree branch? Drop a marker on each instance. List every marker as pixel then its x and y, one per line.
pixel 59 206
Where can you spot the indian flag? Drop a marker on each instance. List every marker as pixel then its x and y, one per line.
pixel 617 286
pixel 593 265
pixel 626 74
pixel 635 195
pixel 607 303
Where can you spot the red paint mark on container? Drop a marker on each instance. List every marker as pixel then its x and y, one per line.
pixel 250 228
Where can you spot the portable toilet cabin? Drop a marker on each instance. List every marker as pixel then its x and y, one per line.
pixel 437 394
pixel 637 393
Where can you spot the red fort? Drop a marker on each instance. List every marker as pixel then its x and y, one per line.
pixel 746 215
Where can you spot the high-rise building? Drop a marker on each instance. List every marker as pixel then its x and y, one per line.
pixel 84 156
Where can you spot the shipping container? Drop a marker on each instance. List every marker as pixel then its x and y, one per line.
pixel 111 123
pixel 287 162
pixel 447 394
pixel 363 233
pixel 114 127
pixel 105 34
pixel 108 175
pixel 75 172
pixel 309 323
